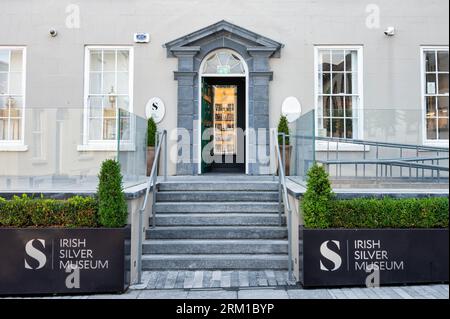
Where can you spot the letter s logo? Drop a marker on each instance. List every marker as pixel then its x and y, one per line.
pixel 330 255
pixel 35 253
pixel 155 106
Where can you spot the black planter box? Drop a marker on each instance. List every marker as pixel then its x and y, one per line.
pixel 344 257
pixel 64 260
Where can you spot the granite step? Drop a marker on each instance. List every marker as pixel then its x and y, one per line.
pixel 209 246
pixel 218 219
pixel 217 232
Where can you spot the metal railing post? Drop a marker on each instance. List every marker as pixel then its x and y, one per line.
pixel 284 152
pixel 139 260
pixel 165 155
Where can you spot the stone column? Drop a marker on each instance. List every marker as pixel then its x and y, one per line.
pixel 186 77
pixel 259 109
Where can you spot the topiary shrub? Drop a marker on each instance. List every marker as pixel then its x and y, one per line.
pixel 151 132
pixel 112 205
pixel 283 127
pixel 316 201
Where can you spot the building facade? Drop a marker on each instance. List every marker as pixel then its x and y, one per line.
pixel 60 91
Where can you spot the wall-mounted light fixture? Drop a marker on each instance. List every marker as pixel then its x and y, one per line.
pixel 390 31
pixel 53 32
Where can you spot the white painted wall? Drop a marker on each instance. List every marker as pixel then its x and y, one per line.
pixel 55 65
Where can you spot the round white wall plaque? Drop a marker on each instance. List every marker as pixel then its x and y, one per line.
pixel 156 109
pixel 291 108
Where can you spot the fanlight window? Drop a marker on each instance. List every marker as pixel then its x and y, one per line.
pixel 223 62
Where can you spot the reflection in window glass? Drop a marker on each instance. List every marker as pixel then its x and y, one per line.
pixel 223 62
pixel 12 93
pixel 109 89
pixel 338 92
pixel 436 92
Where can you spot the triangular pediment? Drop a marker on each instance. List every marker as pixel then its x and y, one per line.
pixel 226 30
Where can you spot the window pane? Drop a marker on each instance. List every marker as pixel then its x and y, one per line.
pixel 349 106
pixel 443 106
pixel 326 104
pixel 352 83
pixel 123 102
pixel 96 60
pixel 338 60
pixel 122 83
pixel 15 129
pixel 4 109
pixel 15 106
pixel 337 108
pixel 430 61
pixel 223 57
pixel 327 126
pixel 95 106
pixel 430 87
pixel 109 60
pixel 95 129
pixel 325 87
pixel 122 60
pixel 109 129
pixel 338 128
pixel 443 83
pixel 431 129
pixel 430 102
pixel 443 128
pixel 109 112
pixel 16 60
pixel 95 83
pixel 3 83
pixel 349 128
pixel 3 129
pixel 109 83
pixel 4 60
pixel 15 84
pixel 443 61
pixel 338 83
pixel 351 61
pixel 325 61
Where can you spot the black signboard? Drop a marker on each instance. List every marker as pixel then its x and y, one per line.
pixel 63 260
pixel 371 257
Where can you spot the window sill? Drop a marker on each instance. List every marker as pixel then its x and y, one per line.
pixel 105 148
pixel 322 146
pixel 436 144
pixel 13 148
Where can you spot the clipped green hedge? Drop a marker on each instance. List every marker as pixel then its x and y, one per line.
pixel 321 209
pixel 387 213
pixel 38 212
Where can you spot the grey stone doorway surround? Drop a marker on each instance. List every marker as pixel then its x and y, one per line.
pixel 256 50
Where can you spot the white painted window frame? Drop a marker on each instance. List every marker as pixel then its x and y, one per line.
pixel 425 140
pixel 17 145
pixel 106 145
pixel 322 145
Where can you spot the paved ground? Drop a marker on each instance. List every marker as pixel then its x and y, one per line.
pixel 212 279
pixel 404 292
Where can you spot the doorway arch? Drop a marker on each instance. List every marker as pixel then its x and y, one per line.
pixel 252 48
pixel 222 63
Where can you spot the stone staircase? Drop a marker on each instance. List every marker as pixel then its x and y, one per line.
pixel 216 225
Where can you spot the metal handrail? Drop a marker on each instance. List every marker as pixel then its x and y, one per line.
pixel 282 183
pixel 151 185
pixel 398 163
pixel 423 148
